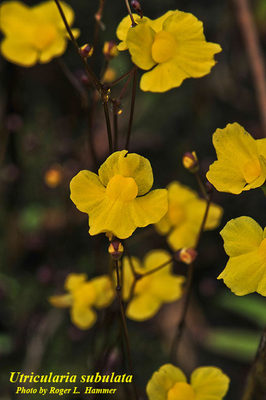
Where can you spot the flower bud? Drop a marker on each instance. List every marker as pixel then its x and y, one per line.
pixel 186 255
pixel 110 50
pixel 190 161
pixel 53 176
pixel 86 50
pixel 116 249
pixel 137 7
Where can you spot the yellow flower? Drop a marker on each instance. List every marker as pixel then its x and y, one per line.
pixel 245 244
pixel 170 383
pixel 117 199
pixel 186 210
pixel 153 290
pixel 83 296
pixel 173 47
pixel 241 163
pixel 33 34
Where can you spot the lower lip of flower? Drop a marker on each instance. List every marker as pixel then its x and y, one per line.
pixel 251 170
pixel 181 391
pixel 163 47
pixel 122 188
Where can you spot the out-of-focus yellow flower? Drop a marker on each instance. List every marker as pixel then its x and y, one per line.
pixel 245 244
pixel 117 199
pixel 33 34
pixel 241 163
pixel 153 290
pixel 173 47
pixel 53 176
pixel 83 296
pixel 109 75
pixel 170 383
pixel 186 210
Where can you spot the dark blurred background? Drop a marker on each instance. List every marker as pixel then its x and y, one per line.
pixel 44 136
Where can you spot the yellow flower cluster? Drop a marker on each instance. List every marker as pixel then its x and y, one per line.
pixel 153 290
pixel 34 34
pixel 170 383
pixel 173 47
pixel 241 166
pixel 83 297
pixel 185 213
pixel 118 199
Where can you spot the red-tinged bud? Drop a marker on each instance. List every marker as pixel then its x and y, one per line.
pixel 137 7
pixel 186 255
pixel 190 161
pixel 116 249
pixel 86 50
pixel 110 50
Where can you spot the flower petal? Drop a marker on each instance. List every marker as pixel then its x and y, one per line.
pixel 184 26
pixel 57 47
pixel 162 380
pixel 123 28
pixel 162 77
pixel 182 236
pixel 128 165
pixel 48 12
pixel 73 281
pixel 86 191
pixel 157 24
pixel 19 52
pixel 167 288
pixel 150 208
pixel 61 301
pixel 155 258
pixel 103 290
pixel 15 18
pixel 261 146
pixel 139 40
pixel 196 210
pixel 244 273
pixel 83 317
pixel 142 307
pixel 209 383
pixel 241 235
pixel 238 160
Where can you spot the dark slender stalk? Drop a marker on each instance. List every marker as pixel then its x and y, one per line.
pixel 201 185
pixel 108 126
pixel 74 82
pixel 158 268
pixel 121 78
pixel 130 13
pixel 115 125
pixel 132 107
pixel 98 22
pixel 124 325
pixel 256 383
pixel 90 135
pixel 187 292
pixel 89 71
